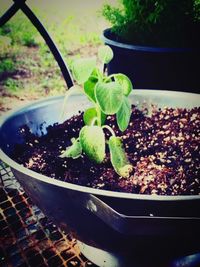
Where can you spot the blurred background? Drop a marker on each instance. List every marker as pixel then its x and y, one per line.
pixel 28 70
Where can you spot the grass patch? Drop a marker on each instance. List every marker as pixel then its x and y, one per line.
pixel 28 69
pixel 7 65
pixel 13 85
pixel 20 31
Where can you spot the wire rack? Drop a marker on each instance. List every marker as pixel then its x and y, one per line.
pixel 27 237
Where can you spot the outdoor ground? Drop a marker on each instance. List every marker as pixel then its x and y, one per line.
pixel 28 70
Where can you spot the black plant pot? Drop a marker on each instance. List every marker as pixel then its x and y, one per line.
pixel 155 67
pixel 116 226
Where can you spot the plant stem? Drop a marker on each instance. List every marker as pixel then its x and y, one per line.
pixel 109 128
pixel 93 121
pixel 98 115
pixel 99 76
pixel 109 77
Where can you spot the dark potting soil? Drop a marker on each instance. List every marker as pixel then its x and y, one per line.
pixel 163 147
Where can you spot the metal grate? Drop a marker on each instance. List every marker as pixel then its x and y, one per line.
pixel 27 237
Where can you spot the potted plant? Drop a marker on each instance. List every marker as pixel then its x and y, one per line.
pixel 155 43
pixel 74 170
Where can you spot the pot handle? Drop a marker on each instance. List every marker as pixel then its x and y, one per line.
pixel 141 225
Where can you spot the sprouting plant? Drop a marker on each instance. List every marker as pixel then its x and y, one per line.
pixel 109 96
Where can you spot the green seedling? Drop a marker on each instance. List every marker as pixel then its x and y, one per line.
pixel 108 96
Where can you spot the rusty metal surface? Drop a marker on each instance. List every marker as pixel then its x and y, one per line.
pixel 27 237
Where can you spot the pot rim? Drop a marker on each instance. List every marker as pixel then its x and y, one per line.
pixel 99 192
pixel 107 40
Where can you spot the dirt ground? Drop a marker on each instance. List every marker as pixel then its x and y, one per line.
pixel 10 100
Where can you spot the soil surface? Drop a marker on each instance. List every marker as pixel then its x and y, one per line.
pixel 163 147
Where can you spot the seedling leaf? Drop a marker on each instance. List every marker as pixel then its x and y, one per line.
pixel 105 54
pixel 74 151
pixel 109 96
pixel 124 114
pixel 89 86
pixel 125 82
pixel 82 69
pixel 90 114
pixel 118 157
pixel 92 140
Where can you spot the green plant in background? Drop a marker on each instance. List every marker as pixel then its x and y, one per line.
pixel 7 64
pixel 24 53
pixel 20 30
pixel 13 85
pixel 15 34
pixel 5 44
pixel 109 96
pixel 155 22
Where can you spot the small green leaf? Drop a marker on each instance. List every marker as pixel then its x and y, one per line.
pixel 89 86
pixel 74 151
pixel 124 114
pixel 103 117
pixel 125 82
pixel 118 157
pixel 92 140
pixel 109 96
pixel 82 69
pixel 90 114
pixel 105 54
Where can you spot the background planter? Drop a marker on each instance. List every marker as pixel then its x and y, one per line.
pixel 119 223
pixel 155 68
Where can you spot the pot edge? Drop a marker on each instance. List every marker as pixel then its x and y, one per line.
pixel 109 41
pixel 85 189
